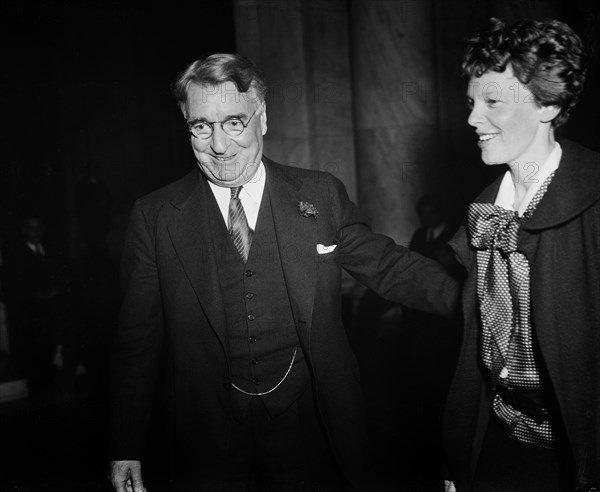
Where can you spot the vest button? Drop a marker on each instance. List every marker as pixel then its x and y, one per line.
pixel 251 317
pixel 252 339
pixel 249 273
pixel 255 361
pixel 249 295
pixel 256 381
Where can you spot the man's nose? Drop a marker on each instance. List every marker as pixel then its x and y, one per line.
pixel 219 140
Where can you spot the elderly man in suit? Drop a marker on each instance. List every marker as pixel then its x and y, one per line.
pixel 234 272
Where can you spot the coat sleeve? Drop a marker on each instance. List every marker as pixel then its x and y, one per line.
pixel 135 352
pixel 392 271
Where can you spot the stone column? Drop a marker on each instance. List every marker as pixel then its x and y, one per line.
pixel 302 48
pixel 455 21
pixel 396 110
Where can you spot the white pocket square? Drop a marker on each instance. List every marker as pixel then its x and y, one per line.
pixel 323 250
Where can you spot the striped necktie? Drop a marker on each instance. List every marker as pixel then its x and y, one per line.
pixel 241 234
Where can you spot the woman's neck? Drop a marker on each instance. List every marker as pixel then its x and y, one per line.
pixel 525 171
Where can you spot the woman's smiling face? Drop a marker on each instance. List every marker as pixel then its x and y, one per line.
pixel 510 124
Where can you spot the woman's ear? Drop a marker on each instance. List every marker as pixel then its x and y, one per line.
pixel 548 113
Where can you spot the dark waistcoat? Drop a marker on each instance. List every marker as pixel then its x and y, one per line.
pixel 261 332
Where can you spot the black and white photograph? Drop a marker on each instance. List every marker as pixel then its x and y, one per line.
pixel 300 246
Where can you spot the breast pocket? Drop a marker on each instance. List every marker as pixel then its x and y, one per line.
pixel 327 254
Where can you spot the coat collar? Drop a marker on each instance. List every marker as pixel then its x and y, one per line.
pixel 190 184
pixel 573 189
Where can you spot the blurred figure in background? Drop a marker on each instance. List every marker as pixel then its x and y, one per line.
pixel 38 293
pixel 435 231
pixel 97 272
pixel 433 343
pixel 432 237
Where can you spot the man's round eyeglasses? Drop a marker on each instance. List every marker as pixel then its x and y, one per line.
pixel 231 126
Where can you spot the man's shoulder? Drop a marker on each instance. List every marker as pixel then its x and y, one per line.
pixel 298 174
pixel 173 191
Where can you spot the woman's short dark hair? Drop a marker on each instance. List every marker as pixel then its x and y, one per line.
pixel 545 55
pixel 220 68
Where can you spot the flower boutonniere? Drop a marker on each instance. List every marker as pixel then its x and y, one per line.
pixel 307 209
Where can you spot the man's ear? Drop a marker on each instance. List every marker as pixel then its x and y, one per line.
pixel 548 113
pixel 263 117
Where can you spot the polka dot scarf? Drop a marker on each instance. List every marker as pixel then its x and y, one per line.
pixel 503 291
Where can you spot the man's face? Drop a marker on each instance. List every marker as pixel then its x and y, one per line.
pixel 225 160
pixel 508 121
pixel 33 229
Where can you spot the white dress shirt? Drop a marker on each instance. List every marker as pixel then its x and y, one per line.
pixel 36 248
pixel 250 196
pixel 506 193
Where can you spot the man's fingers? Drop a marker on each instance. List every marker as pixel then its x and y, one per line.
pixel 126 476
pixel 120 486
pixel 449 486
pixel 119 480
pixel 136 480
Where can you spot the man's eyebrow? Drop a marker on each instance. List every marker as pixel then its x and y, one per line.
pixel 228 117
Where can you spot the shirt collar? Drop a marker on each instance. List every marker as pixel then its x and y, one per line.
pixel 253 189
pixel 506 192
pixel 36 248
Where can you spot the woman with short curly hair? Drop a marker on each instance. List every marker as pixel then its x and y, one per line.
pixel 524 409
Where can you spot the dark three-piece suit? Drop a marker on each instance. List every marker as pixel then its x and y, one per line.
pixel 223 323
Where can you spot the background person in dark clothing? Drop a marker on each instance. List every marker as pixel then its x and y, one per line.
pixel 435 230
pixel 39 304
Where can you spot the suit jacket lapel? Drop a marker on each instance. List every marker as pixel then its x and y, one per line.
pixel 192 237
pixel 296 239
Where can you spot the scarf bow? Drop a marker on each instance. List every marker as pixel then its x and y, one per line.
pixel 493 227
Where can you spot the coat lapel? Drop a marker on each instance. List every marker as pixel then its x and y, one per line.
pixel 296 239
pixel 191 234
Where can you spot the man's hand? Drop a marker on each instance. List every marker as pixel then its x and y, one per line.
pixel 126 476
pixel 449 486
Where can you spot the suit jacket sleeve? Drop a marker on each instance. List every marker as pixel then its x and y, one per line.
pixel 392 271
pixel 135 353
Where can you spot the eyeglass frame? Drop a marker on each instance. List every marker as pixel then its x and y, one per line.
pixel 212 124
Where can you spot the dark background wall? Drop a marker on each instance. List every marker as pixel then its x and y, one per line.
pixel 89 81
